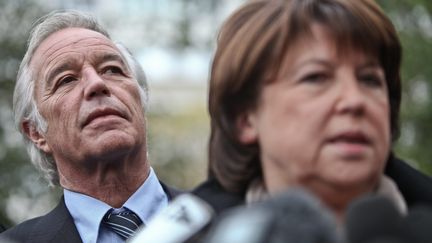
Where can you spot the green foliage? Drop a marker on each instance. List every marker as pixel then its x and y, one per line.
pixel 413 21
pixel 177 139
pixel 16 173
pixel 178 133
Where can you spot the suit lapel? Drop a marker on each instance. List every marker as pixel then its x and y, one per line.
pixel 56 226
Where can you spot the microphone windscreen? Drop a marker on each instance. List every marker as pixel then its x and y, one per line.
pixel 373 218
pixel 291 217
pixel 251 225
pixel 182 218
pixel 389 239
pixel 418 224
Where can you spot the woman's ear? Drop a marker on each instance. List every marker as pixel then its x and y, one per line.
pixel 246 126
pixel 35 136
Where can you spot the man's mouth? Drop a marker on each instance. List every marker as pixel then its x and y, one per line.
pixel 102 113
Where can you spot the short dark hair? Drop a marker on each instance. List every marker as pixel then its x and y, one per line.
pixel 254 41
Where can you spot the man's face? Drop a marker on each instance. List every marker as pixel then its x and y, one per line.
pixel 88 97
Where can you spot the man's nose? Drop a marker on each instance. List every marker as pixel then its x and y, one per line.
pixel 94 84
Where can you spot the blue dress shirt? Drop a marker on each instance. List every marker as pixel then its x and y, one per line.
pixel 87 212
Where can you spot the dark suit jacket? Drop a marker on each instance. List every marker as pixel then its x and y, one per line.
pixel 2 228
pixel 415 187
pixel 56 226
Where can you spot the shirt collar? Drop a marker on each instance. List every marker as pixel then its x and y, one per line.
pixel 87 212
pixel 148 199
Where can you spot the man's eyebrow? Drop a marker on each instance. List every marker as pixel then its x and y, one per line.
pixel 106 57
pixel 68 65
pixel 57 70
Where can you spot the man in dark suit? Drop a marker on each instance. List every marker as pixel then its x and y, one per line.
pixel 80 102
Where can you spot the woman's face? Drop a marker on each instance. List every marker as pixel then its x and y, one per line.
pixel 324 123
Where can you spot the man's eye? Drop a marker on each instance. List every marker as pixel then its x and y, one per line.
pixel 66 80
pixel 112 70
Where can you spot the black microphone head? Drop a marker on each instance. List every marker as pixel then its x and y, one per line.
pixel 301 218
pixel 418 224
pixel 373 219
pixel 291 217
pixel 389 239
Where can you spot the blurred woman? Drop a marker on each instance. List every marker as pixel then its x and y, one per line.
pixel 306 93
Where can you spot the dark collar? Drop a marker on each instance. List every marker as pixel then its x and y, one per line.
pixel 218 198
pixel 170 191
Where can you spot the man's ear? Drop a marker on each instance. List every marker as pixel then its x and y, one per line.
pixel 35 136
pixel 246 126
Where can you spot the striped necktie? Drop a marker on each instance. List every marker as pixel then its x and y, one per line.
pixel 124 223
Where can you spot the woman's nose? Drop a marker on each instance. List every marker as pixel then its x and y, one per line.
pixel 351 98
pixel 94 84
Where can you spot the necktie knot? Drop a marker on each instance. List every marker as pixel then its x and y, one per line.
pixel 124 223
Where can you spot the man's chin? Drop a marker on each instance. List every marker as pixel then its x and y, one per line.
pixel 111 145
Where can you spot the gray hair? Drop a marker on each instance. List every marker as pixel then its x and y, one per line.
pixel 24 104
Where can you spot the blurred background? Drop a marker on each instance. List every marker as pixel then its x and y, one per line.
pixel 174 41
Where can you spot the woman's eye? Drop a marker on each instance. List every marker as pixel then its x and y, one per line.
pixel 315 77
pixel 372 80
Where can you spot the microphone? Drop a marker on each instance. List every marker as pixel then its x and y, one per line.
pixel 374 219
pixel 417 224
pixel 180 220
pixel 291 217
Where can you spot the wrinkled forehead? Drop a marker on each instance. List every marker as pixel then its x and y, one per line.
pixel 71 40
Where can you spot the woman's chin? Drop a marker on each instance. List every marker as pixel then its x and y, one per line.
pixel 353 180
